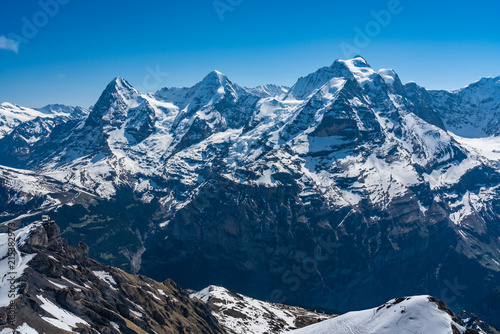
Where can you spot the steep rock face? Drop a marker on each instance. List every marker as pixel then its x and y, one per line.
pixel 473 111
pixel 61 290
pixel 271 244
pixel 214 105
pixel 422 104
pixel 112 116
pixel 474 322
pixel 243 315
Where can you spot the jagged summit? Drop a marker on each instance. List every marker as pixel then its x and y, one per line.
pixel 389 75
pixel 270 90
pixel 472 111
pixel 116 89
pixel 359 56
pixel 215 76
pixel 240 314
pixel 55 108
pixel 214 83
pixel 357 61
pixel 491 82
pixel 119 84
pixel 12 116
pixel 356 69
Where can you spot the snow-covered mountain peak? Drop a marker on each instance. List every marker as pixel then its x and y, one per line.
pixel 14 108
pixel 121 85
pixel 6 104
pixel 488 82
pixel 308 85
pixel 240 314
pixel 209 90
pixel 359 68
pixel 357 61
pixel 215 83
pixel 56 109
pixel 64 110
pixel 356 69
pixel 115 100
pixel 389 75
pixel 420 314
pixel 216 76
pixel 214 79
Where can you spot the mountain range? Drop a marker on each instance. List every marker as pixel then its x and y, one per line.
pixel 342 192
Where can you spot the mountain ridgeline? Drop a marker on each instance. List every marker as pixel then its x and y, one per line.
pixel 346 190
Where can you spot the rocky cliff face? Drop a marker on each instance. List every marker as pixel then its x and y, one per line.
pixel 473 111
pixel 474 322
pixel 240 314
pixel 61 290
pixel 269 243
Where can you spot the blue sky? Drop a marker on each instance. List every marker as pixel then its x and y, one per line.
pixel 72 54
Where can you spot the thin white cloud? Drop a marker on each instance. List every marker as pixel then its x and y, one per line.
pixel 8 44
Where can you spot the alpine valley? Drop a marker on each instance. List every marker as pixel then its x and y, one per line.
pixel 340 193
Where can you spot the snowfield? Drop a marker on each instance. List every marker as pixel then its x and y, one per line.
pixel 245 315
pixel 413 315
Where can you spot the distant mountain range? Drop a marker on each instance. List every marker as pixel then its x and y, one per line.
pixel 342 192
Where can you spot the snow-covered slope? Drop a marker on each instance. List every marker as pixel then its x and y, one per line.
pixel 473 111
pixel 269 91
pixel 25 193
pixel 25 130
pixel 12 115
pixel 420 314
pixel 243 315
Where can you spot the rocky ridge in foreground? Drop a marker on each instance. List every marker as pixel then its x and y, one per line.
pixel 62 290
